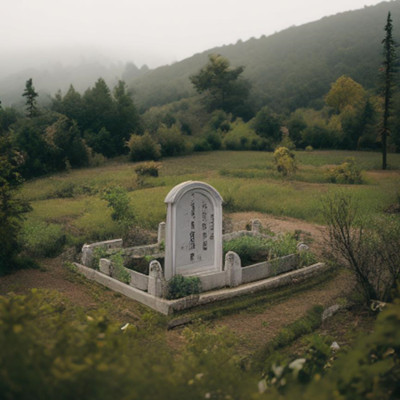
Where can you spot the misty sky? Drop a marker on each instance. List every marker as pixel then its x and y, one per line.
pixel 151 32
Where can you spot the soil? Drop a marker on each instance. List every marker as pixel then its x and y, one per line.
pixel 253 329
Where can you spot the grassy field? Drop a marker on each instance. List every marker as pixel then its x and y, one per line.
pixel 246 180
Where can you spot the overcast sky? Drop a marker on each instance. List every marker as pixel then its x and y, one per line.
pixel 153 32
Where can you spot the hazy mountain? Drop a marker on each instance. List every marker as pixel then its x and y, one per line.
pixel 292 68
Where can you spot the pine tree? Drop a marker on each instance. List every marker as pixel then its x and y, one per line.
pixel 388 73
pixel 30 95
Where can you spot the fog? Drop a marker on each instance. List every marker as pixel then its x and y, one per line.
pixel 43 34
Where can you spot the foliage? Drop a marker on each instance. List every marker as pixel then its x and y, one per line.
pixel 118 201
pixel 51 349
pixel 369 253
pixel 252 249
pixel 143 148
pixel 31 95
pixel 119 271
pixel 98 252
pixel 285 161
pixel 268 125
pixel 389 68
pixel 348 172
pixel 344 92
pixel 43 240
pixel 150 168
pixel 242 137
pixel 222 84
pixel 307 324
pixel 12 209
pixel 182 286
pixel 171 140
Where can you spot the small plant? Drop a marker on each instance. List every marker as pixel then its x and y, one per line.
pixel 309 148
pixel 119 271
pixel 285 161
pixel 118 200
pixel 182 286
pixel 348 173
pixel 98 252
pixel 253 249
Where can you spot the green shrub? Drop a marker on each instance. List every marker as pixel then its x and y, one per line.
pixel 348 173
pixel 43 240
pixel 182 286
pixel 309 148
pixel 118 201
pixel 119 271
pixel 172 142
pixel 149 168
pixel 252 249
pixel 285 161
pixel 98 252
pixel 143 148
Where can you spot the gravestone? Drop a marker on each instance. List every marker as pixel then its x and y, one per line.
pixel 193 243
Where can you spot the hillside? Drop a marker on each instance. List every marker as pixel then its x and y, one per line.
pixel 292 68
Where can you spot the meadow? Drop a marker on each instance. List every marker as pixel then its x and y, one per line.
pixel 246 180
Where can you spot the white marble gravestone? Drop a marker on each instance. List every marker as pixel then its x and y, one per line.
pixel 193 243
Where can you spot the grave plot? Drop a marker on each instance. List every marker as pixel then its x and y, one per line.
pixel 186 266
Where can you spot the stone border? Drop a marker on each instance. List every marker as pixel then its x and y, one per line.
pixel 168 307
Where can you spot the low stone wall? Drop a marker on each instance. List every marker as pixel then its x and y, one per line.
pixel 142 251
pixel 169 306
pixel 212 281
pixel 138 280
pixel 267 269
pixel 87 249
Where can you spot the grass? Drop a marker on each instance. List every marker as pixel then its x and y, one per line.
pixel 246 180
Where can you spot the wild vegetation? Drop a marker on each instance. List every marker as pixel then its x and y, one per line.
pixel 288 146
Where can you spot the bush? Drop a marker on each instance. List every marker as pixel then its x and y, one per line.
pixel 43 240
pixel 118 200
pixel 309 149
pixel 348 173
pixel 119 271
pixel 182 286
pixel 252 249
pixel 172 142
pixel 371 254
pixel 143 148
pixel 150 168
pixel 285 161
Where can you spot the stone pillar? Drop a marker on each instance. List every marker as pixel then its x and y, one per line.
pixel 87 255
pixel 156 280
pixel 233 268
pixel 161 232
pixel 105 266
pixel 256 226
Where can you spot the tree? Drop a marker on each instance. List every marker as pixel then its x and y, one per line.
pixel 221 83
pixel 126 117
pixel 268 125
pixel 344 92
pixel 12 209
pixel 30 95
pixel 388 70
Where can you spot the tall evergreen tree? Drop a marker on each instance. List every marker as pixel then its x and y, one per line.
pixel 30 95
pixel 388 73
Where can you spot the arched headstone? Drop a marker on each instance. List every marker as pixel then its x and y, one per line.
pixel 193 243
